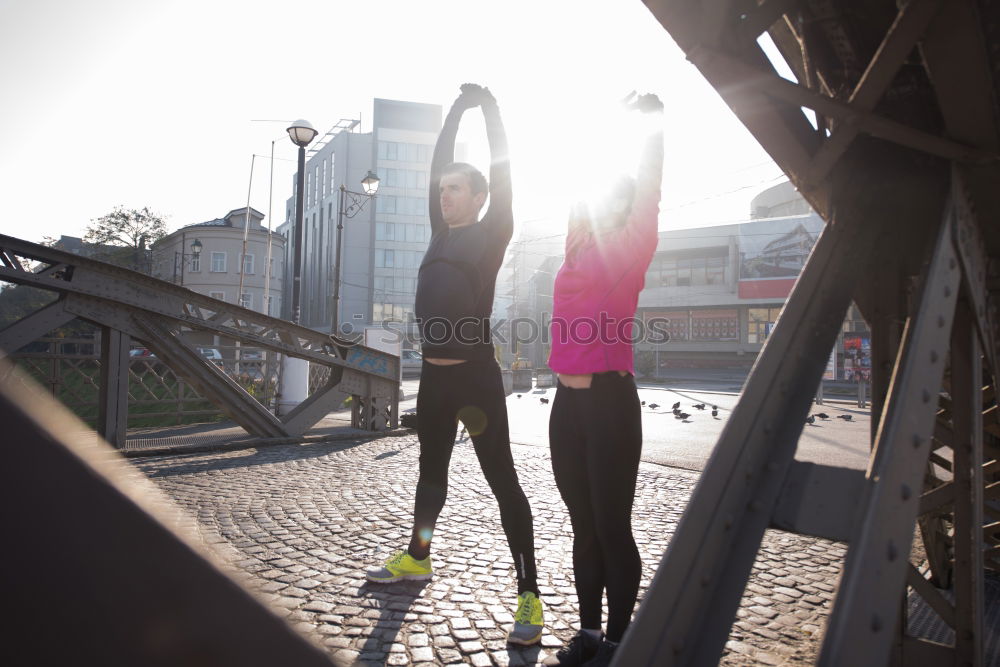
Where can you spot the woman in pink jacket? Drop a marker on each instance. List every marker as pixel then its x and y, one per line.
pixel 595 432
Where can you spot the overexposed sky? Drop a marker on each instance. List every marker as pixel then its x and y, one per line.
pixel 145 103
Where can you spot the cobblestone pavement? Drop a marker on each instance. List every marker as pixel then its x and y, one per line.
pixel 303 522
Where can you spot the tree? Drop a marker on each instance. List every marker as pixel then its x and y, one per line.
pixel 123 236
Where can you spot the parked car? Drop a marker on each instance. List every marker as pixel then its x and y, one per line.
pixel 410 362
pixel 252 364
pixel 146 359
pixel 212 355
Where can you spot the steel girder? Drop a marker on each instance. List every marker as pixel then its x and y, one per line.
pixel 157 312
pixel 751 482
pixel 903 120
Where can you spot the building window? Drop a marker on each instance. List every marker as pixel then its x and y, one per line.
pixel 246 300
pixel 248 264
pixel 218 262
pixel 760 323
pixel 715 271
pixel 388 150
pixel 717 325
pixel 391 311
pixel 675 322
pixel 221 296
pixel 385 204
pixel 686 271
pixel 196 263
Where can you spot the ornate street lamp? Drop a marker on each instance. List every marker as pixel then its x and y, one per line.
pixel 181 257
pixel 357 202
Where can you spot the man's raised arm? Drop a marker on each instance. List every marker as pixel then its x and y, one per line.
pixel 500 215
pixel 444 154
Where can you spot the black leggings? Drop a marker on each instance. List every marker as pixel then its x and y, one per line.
pixel 596 439
pixel 473 393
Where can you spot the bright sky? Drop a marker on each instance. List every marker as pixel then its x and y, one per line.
pixel 145 103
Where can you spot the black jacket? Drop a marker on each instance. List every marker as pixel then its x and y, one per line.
pixel 458 274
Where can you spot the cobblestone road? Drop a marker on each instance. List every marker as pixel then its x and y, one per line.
pixel 304 521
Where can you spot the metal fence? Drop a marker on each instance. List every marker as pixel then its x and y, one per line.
pixel 70 369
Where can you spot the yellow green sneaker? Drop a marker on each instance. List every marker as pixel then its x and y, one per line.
pixel 402 566
pixel 528 622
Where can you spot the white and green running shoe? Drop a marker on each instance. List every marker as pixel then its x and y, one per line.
pixel 528 621
pixel 402 566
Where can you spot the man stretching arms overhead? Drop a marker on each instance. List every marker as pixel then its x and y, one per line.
pixel 460 379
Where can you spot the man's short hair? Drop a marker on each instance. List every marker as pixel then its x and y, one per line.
pixel 477 182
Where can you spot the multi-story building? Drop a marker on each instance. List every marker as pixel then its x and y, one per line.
pixel 216 269
pixel 532 260
pixel 384 242
pixel 718 291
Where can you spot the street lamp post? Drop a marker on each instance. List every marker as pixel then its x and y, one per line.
pixel 302 134
pixel 357 202
pixel 295 372
pixel 181 257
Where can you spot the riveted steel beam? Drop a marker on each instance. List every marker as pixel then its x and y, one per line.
pixel 966 391
pixel 909 26
pixel 111 287
pixel 689 608
pixel 860 629
pixel 113 406
pixel 33 326
pixel 208 379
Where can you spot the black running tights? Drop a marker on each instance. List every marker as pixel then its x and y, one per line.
pixel 473 393
pixel 595 436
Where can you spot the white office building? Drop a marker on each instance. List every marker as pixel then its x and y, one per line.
pixel 383 242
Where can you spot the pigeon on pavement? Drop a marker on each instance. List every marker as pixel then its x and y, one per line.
pixel 698 406
pixel 846 418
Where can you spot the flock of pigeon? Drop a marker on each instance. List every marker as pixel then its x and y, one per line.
pixel 653 406
pixel 683 416
pixel 811 419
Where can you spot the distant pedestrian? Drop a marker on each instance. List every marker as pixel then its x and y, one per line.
pixel 595 429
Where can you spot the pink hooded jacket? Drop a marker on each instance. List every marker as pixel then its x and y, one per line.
pixel 597 288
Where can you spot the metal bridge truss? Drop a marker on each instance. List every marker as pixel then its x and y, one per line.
pixel 902 163
pixel 127 304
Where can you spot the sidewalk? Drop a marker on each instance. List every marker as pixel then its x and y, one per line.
pixel 305 521
pixel 733 379
pixel 299 520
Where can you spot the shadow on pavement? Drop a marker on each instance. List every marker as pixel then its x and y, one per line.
pixel 394 601
pixel 185 464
